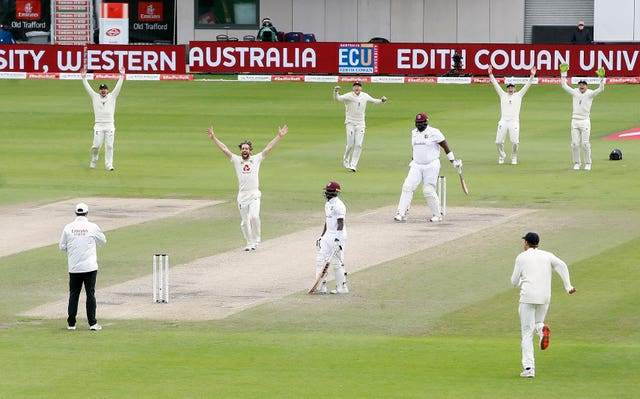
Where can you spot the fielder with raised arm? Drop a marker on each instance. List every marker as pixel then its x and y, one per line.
pixel 580 117
pixel 104 110
pixel 247 167
pixel 425 168
pixel 332 242
pixel 355 105
pixel 510 103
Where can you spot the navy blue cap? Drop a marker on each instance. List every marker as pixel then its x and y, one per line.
pixel 531 238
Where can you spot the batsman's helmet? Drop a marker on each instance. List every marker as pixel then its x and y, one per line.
pixel 615 155
pixel 422 121
pixel 332 189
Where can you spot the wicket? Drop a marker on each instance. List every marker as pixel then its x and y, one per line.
pixel 161 278
pixel 441 189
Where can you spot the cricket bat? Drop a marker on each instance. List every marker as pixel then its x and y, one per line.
pixel 324 272
pixel 465 189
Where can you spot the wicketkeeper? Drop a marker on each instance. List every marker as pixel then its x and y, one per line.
pixel 582 99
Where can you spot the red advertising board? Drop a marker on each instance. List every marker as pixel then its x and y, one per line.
pixel 28 10
pixel 150 11
pixel 96 58
pixel 410 58
pixel 262 57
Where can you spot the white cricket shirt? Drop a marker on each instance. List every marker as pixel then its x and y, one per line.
pixel 426 147
pixel 510 103
pixel 104 108
pixel 248 176
pixel 532 273
pixel 335 209
pixel 355 106
pixel 581 101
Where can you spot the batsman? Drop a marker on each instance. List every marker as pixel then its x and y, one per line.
pixel 425 168
pixel 331 244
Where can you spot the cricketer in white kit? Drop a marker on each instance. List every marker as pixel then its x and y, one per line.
pixel 355 105
pixel 510 103
pixel 425 168
pixel 580 117
pixel 247 167
pixel 332 242
pixel 532 274
pixel 104 110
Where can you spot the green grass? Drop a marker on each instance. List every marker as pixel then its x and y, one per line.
pixel 440 323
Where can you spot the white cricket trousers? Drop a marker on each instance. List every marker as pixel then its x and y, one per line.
pixel 531 320
pixel 250 224
pixel 580 136
pixel 513 128
pixel 355 138
pixel 325 252
pixel 103 133
pixel 427 174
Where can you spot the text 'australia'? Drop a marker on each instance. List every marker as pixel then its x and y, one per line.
pixel 252 57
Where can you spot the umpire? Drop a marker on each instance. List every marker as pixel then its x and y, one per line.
pixel 79 240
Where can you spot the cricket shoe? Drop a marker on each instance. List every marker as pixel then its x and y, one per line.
pixel 95 327
pixel 544 340
pixel 529 372
pixel 514 160
pixel 400 218
pixel 322 289
pixel 500 160
pixel 92 165
pixel 576 166
pixel 71 327
pixel 436 218
pixel 343 290
pixel 587 166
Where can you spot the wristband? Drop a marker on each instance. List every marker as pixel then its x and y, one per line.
pixel 451 156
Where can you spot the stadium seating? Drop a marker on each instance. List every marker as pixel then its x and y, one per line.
pixel 294 37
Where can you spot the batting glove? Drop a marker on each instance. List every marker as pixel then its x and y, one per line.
pixel 564 68
pixel 457 163
pixel 600 72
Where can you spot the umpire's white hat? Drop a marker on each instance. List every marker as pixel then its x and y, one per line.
pixel 82 208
